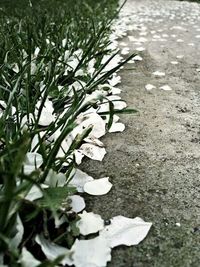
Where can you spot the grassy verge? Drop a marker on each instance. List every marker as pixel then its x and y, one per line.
pixel 55 59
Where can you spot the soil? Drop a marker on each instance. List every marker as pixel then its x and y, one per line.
pixel 154 164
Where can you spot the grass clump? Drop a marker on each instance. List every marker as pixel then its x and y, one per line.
pixel 52 60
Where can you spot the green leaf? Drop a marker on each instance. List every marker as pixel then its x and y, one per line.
pixel 55 198
pixel 119 111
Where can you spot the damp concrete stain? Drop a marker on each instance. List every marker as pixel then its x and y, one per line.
pixel 155 164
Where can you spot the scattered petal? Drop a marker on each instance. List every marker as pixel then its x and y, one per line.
pixel 180 56
pixel 166 88
pixel 79 179
pixel 149 87
pixel 99 126
pixel 174 62
pixel 131 61
pixel 27 259
pixel 158 74
pixel 78 157
pixel 98 187
pixel 94 141
pixel 55 179
pixel 34 193
pixel 52 251
pixel 16 240
pixel 90 223
pixel 114 80
pixel 117 127
pixel 91 253
pixel 93 152
pixel 125 231
pixel 140 49
pixel 32 162
pixel 137 58
pixel 47 115
pixel 125 51
pixel 77 203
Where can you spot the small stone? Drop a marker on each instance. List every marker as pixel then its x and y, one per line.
pixel 107 222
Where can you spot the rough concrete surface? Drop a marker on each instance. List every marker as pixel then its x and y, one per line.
pixel 155 164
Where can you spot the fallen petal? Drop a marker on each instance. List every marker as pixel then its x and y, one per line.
pixel 79 179
pixel 98 187
pixel 52 251
pixel 93 152
pixel 158 74
pixel 27 259
pixel 90 223
pixel 137 58
pixel 77 203
pixel 166 88
pixel 125 231
pixel 91 253
pixel 117 127
pixel 149 87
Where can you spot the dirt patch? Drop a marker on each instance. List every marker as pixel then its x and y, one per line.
pixel 155 164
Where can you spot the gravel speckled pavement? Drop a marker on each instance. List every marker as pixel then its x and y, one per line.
pixel 155 164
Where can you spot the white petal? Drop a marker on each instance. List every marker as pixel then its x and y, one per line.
pixel 149 87
pixel 90 223
pixel 77 203
pixel 93 152
pixel 55 179
pixel 52 251
pixel 140 49
pixel 166 88
pixel 47 115
pixel 78 157
pixel 97 122
pixel 117 127
pixel 174 62
pixel 94 141
pixel 16 240
pixel 98 187
pixel 180 56
pixel 137 58
pixel 32 162
pixel 116 91
pixel 91 253
pixel 125 51
pixel 159 74
pixel 27 259
pixel 34 193
pixel 117 102
pixel 115 80
pixel 79 179
pixel 131 61
pixel 125 231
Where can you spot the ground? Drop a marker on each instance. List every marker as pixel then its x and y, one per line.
pixel 155 164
